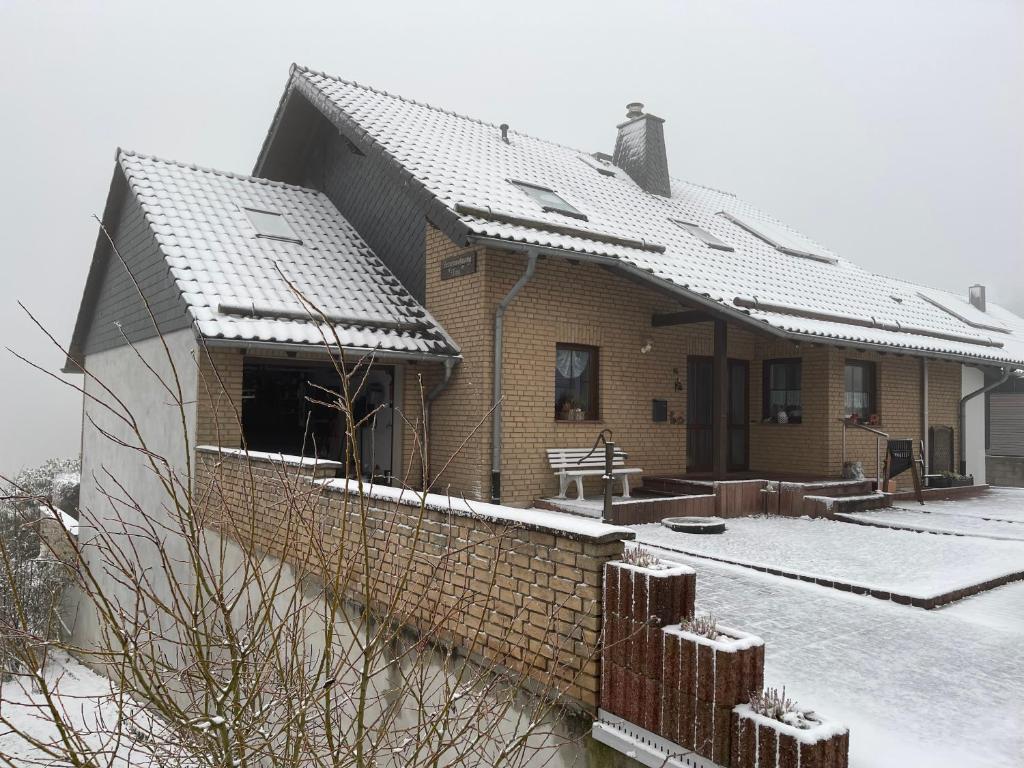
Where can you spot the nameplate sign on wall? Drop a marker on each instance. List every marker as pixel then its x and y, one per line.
pixel 458 266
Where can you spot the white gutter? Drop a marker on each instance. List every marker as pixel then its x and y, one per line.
pixel 325 349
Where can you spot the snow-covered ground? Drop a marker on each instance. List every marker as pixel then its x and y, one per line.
pixel 924 519
pixel 86 700
pixel 995 504
pixel 917 688
pixel 915 564
pixel 1002 608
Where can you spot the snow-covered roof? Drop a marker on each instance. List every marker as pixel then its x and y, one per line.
pixel 466 166
pixel 235 282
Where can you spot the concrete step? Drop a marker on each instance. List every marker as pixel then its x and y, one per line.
pixel 828 506
pixel 840 488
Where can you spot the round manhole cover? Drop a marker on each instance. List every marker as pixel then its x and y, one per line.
pixel 695 524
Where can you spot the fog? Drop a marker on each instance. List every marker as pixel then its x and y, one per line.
pixel 892 132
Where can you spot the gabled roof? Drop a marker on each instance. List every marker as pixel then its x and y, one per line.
pixel 465 168
pixel 235 282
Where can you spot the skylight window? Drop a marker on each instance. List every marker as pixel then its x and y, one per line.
pixel 549 200
pixel 703 235
pixel 780 238
pixel 963 311
pixel 271 225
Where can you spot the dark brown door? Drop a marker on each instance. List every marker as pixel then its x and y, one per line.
pixel 699 432
pixel 699 437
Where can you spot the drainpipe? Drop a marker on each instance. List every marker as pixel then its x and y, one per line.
pixel 432 395
pixel 963 413
pixel 924 416
pixel 499 324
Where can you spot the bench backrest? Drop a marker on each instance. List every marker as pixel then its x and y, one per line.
pixel 570 458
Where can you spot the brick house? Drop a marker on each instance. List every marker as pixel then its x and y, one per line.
pixel 532 295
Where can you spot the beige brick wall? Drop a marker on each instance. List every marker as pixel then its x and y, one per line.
pixel 899 403
pixel 219 395
pixel 585 304
pixel 801 449
pixel 525 598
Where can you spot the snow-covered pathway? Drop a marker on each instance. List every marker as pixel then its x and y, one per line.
pixel 917 688
pixel 920 565
pixel 995 504
pixel 939 522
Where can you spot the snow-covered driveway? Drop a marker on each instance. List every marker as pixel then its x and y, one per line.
pixel 919 565
pixel 998 514
pixel 917 688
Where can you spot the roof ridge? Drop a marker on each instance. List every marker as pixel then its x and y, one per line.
pixel 426 105
pixel 303 69
pixel 121 152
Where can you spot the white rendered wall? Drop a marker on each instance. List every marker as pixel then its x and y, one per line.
pixel 163 428
pixel 971 380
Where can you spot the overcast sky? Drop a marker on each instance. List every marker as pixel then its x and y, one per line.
pixel 891 131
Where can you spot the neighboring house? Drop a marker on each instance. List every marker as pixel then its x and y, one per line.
pixel 533 295
pixel 1004 434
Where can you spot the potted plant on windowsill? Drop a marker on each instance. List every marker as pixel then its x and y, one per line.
pixel 772 731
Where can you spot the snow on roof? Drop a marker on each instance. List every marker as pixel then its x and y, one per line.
pixel 235 279
pixel 465 164
pixel 69 522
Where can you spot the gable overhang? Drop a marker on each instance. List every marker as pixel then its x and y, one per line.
pixel 717 310
pixel 300 93
pixel 117 194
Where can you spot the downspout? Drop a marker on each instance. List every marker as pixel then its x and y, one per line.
pixel 499 325
pixel 924 418
pixel 962 443
pixel 432 395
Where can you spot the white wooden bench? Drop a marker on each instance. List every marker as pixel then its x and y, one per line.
pixel 572 467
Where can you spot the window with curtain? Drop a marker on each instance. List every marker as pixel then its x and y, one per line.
pixel 782 391
pixel 575 383
pixel 861 401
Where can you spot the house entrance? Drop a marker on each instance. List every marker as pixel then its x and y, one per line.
pixel 283 411
pixel 699 424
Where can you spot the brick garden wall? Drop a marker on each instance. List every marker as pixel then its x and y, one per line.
pixel 518 594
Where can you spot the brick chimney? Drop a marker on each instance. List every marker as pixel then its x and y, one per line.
pixel 976 295
pixel 640 150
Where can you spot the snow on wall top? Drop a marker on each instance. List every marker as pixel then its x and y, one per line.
pixel 465 164
pixel 236 284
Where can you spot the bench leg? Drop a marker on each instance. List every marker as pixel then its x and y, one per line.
pixel 579 488
pixel 625 486
pixel 563 485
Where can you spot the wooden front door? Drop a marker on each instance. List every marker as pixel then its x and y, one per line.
pixel 699 432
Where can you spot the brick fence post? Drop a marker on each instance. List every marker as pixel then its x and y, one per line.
pixel 704 680
pixel 638 603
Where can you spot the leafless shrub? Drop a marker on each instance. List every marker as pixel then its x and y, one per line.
pixel 225 655
pixel 640 557
pixel 705 625
pixel 775 704
pixel 31 583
